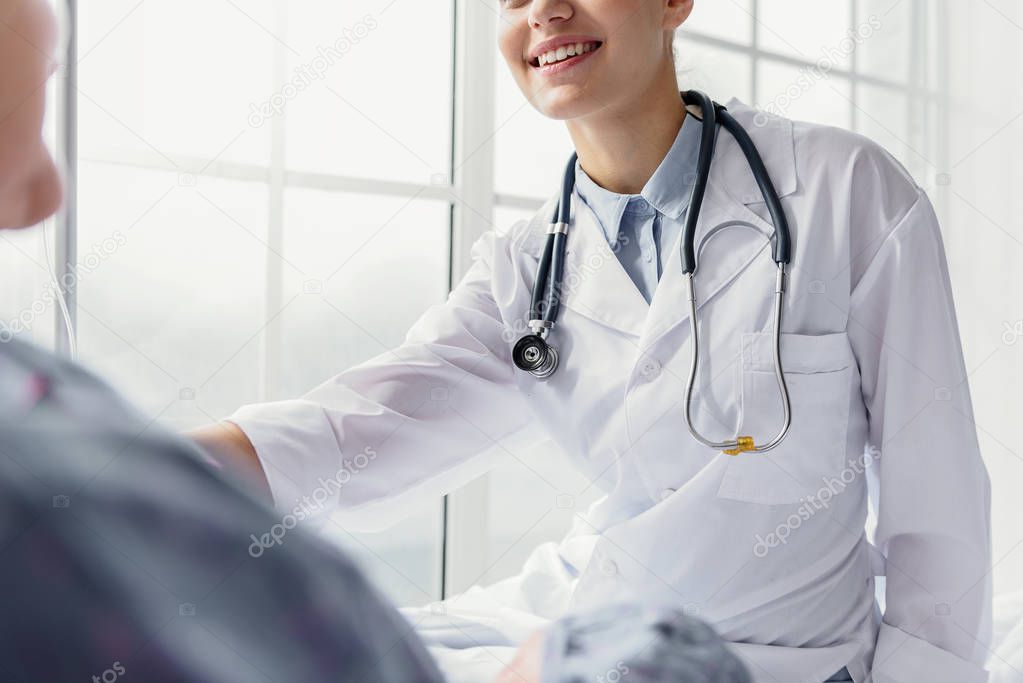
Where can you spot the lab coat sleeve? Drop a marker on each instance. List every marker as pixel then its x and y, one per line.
pixel 929 484
pixel 409 424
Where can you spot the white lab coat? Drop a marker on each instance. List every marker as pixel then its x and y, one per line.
pixel 770 548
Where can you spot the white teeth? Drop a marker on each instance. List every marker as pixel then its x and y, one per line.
pixel 564 52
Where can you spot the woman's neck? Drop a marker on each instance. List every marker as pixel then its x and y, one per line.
pixel 621 148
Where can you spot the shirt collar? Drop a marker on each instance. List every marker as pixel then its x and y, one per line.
pixel 667 190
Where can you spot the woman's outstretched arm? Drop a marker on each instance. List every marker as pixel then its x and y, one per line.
pixel 227 444
pixel 414 422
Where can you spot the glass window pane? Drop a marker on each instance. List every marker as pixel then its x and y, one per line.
pixel 731 20
pixel 364 269
pixel 797 94
pixel 358 271
pixel 28 305
pixel 530 150
pixel 884 116
pixel 886 51
pixel 403 562
pixel 722 74
pixel 171 289
pixel 174 77
pixel 808 29
pixel 369 95
pixel 174 301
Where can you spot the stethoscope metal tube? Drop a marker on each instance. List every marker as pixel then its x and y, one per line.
pixel 532 353
pixel 740 444
pixel 712 115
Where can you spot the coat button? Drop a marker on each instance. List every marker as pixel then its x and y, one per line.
pixel 665 493
pixel 650 368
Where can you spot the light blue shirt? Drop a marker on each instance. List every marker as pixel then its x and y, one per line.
pixel 642 228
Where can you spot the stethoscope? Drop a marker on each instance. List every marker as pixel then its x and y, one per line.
pixel 534 355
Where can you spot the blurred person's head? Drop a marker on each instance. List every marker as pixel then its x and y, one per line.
pixel 627 52
pixel 635 642
pixel 30 186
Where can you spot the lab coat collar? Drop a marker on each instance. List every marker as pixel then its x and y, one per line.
pixel 597 286
pixel 773 137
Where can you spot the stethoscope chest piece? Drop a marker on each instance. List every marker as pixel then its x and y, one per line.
pixel 534 355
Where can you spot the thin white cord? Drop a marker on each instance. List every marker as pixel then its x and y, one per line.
pixel 61 301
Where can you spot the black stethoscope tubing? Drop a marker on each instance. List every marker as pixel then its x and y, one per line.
pixel 532 353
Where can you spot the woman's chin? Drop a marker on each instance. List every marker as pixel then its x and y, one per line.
pixel 564 102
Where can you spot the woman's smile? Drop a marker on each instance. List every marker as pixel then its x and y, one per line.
pixel 560 54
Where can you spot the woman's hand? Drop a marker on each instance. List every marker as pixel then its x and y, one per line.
pixel 227 444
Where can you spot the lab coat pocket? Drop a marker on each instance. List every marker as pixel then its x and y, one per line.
pixel 818 369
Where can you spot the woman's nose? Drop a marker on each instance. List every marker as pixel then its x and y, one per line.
pixel 543 12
